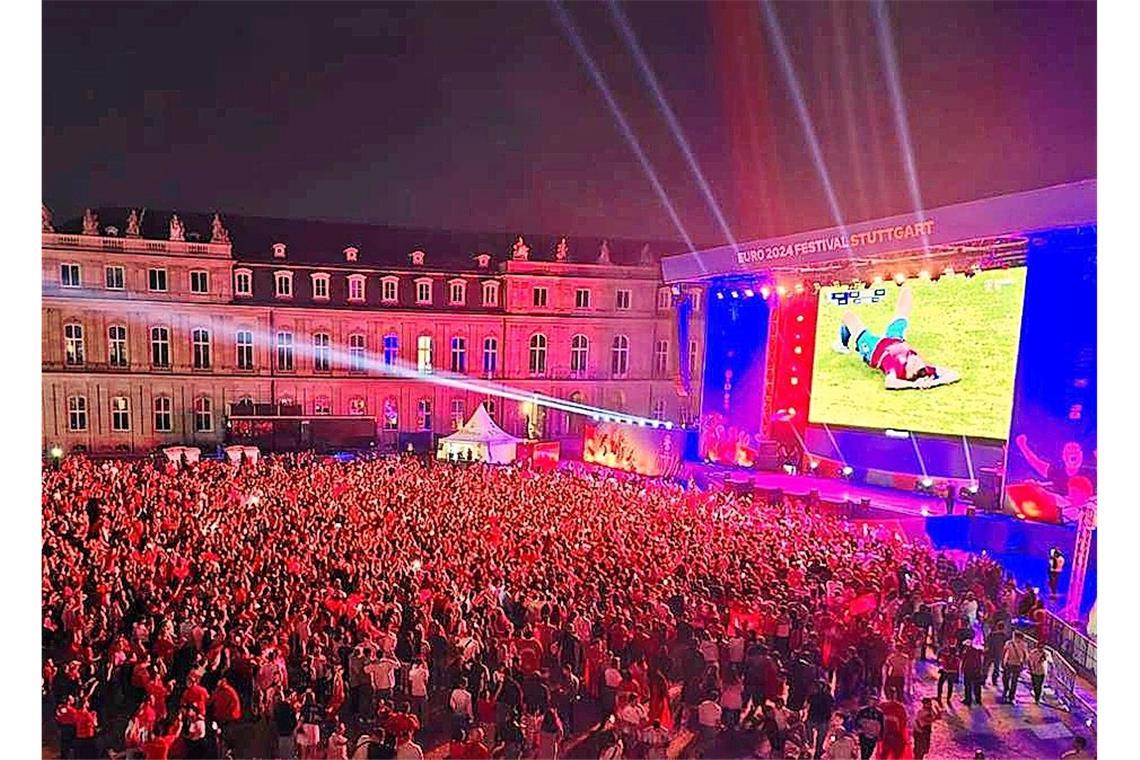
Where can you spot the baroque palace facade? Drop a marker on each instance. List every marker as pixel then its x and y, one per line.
pixel 160 330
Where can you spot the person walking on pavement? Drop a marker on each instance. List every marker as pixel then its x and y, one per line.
pixel 1013 659
pixel 923 726
pixel 1039 661
pixel 973 675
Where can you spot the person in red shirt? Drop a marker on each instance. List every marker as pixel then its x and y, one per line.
pixel 158 746
pixel 197 696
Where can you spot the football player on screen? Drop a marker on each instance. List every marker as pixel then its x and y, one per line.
pixel 889 353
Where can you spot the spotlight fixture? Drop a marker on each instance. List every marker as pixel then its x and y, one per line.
pixel 668 425
pixel 948 271
pixel 748 293
pixel 798 350
pixel 791 411
pixel 900 278
pixel 735 294
pixel 972 488
pixel 799 287
pixel 924 274
pixel 765 292
pixel 781 290
pixel 878 279
pixel 56 452
pixel 795 381
pixel 814 464
pixel 799 317
pixel 927 483
pixel 848 470
pixel 720 295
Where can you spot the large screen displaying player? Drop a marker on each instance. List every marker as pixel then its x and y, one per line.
pixel 925 356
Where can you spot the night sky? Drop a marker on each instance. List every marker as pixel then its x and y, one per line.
pixel 482 116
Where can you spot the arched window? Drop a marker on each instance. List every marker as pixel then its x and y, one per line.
pixel 322 352
pixel 537 354
pixel 391 349
pixel 284 284
pixel 457 292
pixel 391 414
pixel 356 287
pixel 243 282
pixel 117 345
pixel 163 417
pixel 200 339
pixel 423 354
pixel 160 346
pixel 320 286
pixel 203 415
pixel 619 363
pixel 120 414
pixel 490 294
pixel 389 289
pixel 356 353
pixel 579 354
pixel 458 354
pixel 73 344
pixel 76 413
pixel 490 355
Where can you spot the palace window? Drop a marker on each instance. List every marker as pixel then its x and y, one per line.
pixel 391 414
pixel 423 354
pixel 581 298
pixel 537 354
pixel 490 294
pixel 623 300
pixel 661 357
pixel 160 346
pixel 391 349
pixel 458 354
pixel 320 287
pixel 203 415
pixel 200 341
pixel 490 355
pixel 322 352
pixel 283 283
pixel 285 351
pixel 356 287
pixel 423 291
pixel 243 282
pixel 539 296
pixel 76 413
pixel 664 299
pixel 457 292
pixel 244 349
pixel 120 414
pixel 117 346
pixel 199 281
pixel 659 409
pixel 163 417
pixel 73 353
pixel 458 413
pixel 114 277
pixel 579 353
pixel 423 413
pixel 389 289
pixel 69 276
pixel 356 353
pixel 692 356
pixel 619 360
pixel 156 280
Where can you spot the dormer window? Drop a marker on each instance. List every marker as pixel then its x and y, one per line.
pixel 350 253
pixel 278 250
pixel 483 260
pixel 491 293
pixel 457 292
pixel 417 258
pixel 423 290
pixel 283 284
pixel 320 287
pixel 389 289
pixel 243 282
pixel 356 287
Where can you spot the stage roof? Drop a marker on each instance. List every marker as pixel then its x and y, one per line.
pixel 1070 205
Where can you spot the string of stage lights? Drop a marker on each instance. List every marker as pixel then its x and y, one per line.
pixel 157 316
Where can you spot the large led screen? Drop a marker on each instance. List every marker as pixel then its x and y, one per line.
pixel 931 356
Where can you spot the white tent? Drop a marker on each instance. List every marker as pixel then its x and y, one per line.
pixel 480 439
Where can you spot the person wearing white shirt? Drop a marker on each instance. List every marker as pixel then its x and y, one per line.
pixel 409 750
pixel 382 673
pixel 1039 661
pixel 460 703
pixel 631 717
pixel 418 679
pixel 708 716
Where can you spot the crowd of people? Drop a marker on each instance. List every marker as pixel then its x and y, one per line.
pixel 306 607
